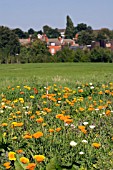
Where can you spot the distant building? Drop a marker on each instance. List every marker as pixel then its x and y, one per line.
pixel 25 41
pixel 62 32
pixel 112 45
pixel 56 44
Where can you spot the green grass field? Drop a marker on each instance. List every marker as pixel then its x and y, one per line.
pixel 62 73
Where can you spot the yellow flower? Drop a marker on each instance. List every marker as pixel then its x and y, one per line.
pixel 18 87
pixel 96 145
pixel 32 97
pixel 18 112
pixel 44 102
pixel 11 156
pixel 4 134
pixel 24 160
pixel 15 101
pixel 39 158
pixel 14 138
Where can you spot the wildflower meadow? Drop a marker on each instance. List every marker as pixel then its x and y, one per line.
pixel 56 127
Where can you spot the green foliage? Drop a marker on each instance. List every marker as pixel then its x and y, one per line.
pixel 31 31
pixel 9 44
pixel 101 55
pixel 79 54
pixel 37 51
pixel 65 55
pixel 52 164
pixel 18 165
pixel 21 34
pixel 85 38
pixel 104 34
pixel 69 33
pixel 50 32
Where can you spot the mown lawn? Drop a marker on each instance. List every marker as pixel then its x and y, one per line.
pixel 62 73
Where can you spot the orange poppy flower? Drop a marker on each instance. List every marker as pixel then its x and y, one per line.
pixel 24 160
pixel 58 129
pixel 37 134
pixel 80 90
pixel 31 166
pixel 21 92
pixel 100 107
pixel 7 164
pixel 68 121
pixel 100 92
pixel 27 136
pixel 90 109
pixel 40 120
pixel 81 127
pixel 107 112
pixel 81 109
pixel 19 151
pixel 4 124
pixel 96 145
pixel 51 130
pixel 39 158
pixel 19 124
pixel 59 115
pixel 32 117
pixel 84 131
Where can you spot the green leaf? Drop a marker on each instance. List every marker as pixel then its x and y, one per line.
pixel 0 137
pixel 52 164
pixel 18 165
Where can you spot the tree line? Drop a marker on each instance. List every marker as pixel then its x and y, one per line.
pixel 11 50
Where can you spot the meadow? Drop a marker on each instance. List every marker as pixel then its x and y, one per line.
pixel 56 116
pixel 62 73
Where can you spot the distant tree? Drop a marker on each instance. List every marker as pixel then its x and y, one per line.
pixel 85 37
pixel 69 33
pixel 25 55
pixel 40 32
pixel 9 44
pixel 83 27
pixel 104 34
pixel 101 55
pixel 21 34
pixel 53 33
pixel 50 32
pixel 78 55
pixel 65 55
pixel 46 29
pixel 31 31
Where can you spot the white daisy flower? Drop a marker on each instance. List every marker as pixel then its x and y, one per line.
pixel 72 143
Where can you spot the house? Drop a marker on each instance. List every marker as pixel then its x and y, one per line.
pixel 112 45
pixel 56 44
pixel 25 41
pixel 62 32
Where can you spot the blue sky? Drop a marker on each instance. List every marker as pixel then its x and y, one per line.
pixel 25 14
